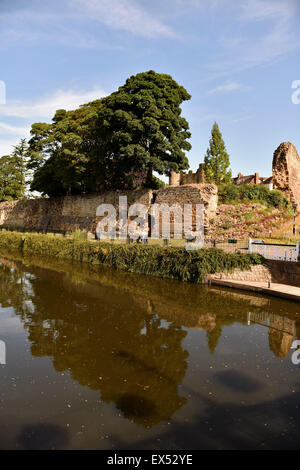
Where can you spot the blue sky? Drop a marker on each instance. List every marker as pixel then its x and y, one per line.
pixel 237 58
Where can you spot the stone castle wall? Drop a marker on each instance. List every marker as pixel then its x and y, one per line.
pixel 206 194
pixel 79 212
pixel 182 178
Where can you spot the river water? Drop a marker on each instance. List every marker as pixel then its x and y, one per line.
pixel 98 359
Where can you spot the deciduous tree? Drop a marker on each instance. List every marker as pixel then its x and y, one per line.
pixel 12 182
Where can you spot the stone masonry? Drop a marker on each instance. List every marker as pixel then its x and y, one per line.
pixel 286 171
pixel 79 212
pixel 182 178
pixel 257 273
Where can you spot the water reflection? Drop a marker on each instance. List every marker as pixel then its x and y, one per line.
pixel 109 340
pixel 124 334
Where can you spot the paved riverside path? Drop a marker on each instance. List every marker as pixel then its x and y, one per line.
pixel 278 290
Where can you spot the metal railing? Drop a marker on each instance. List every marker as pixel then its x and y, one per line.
pixel 275 251
pixel 230 246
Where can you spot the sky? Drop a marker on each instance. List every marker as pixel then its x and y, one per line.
pixel 237 58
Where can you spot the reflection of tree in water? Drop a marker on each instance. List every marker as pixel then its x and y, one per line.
pixel 213 337
pixel 110 334
pixel 14 287
pixel 107 342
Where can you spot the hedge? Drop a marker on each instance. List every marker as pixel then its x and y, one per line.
pixel 168 262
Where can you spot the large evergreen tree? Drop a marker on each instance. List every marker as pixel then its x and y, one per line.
pixel 143 125
pixel 216 161
pixel 101 144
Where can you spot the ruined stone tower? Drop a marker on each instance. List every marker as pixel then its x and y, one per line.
pixel 286 171
pixel 178 179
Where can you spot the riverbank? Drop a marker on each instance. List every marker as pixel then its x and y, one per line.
pixel 276 290
pixel 169 262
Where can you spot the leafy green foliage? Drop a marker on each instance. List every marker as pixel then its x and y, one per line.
pixel 232 194
pixel 14 173
pixel 101 144
pixel 79 235
pixel 143 124
pixel 216 161
pixel 12 182
pixel 20 152
pixel 156 183
pixel 172 263
pixel 66 156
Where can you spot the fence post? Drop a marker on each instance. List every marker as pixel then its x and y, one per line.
pixel 250 245
pixel 297 250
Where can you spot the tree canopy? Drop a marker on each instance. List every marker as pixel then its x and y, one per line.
pixel 103 143
pixel 216 161
pixel 12 179
pixel 66 155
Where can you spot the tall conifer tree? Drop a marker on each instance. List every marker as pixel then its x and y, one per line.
pixel 216 160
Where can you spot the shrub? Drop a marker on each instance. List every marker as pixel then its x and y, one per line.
pixel 231 194
pixel 79 235
pixel 169 262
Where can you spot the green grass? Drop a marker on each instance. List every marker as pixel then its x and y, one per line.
pixel 169 262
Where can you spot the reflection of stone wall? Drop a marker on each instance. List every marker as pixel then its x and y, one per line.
pixel 280 342
pixel 286 171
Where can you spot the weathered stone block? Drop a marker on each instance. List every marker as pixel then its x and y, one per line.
pixel 286 171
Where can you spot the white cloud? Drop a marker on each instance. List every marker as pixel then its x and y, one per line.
pixel 262 32
pixel 228 88
pixel 278 38
pixel 46 107
pixel 256 10
pixel 42 109
pixel 68 25
pixel 125 15
pixel 242 118
pixel 248 10
pixel 8 129
pixel 6 145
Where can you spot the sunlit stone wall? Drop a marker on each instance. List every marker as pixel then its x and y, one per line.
pixel 79 212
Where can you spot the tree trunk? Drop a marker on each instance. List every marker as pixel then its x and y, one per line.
pixel 149 176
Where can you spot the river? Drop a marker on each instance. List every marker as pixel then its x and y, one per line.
pixel 98 359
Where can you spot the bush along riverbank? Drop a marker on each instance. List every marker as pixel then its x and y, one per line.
pixel 168 262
